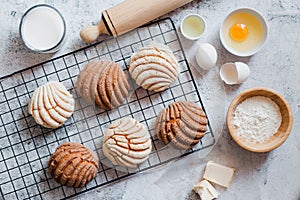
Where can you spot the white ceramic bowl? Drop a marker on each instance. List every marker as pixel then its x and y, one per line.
pixel 185 33
pixel 223 31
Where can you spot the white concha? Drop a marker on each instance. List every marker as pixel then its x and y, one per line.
pixel 154 68
pixel 127 142
pixel 51 105
pixel 159 46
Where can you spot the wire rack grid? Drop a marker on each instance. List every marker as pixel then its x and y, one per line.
pixel 25 147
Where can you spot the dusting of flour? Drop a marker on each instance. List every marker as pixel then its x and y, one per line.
pixel 257 119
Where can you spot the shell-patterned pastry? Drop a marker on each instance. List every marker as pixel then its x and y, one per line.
pixel 154 68
pixel 127 142
pixel 51 105
pixel 73 165
pixel 182 124
pixel 103 82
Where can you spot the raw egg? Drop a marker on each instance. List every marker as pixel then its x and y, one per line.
pixel 238 32
pixel 243 32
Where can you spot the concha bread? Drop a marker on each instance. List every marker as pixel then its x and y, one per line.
pixel 159 45
pixel 182 124
pixel 103 82
pixel 73 165
pixel 51 105
pixel 154 68
pixel 127 142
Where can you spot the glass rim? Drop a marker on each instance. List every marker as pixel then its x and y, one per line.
pixel 26 42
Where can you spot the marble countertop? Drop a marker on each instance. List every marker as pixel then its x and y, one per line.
pixel 265 176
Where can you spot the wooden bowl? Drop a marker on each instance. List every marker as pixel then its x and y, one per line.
pixel 284 130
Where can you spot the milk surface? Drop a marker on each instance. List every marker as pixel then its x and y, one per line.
pixel 43 28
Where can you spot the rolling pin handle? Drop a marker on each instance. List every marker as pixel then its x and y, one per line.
pixel 90 33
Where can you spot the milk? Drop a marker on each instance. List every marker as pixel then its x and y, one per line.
pixel 43 29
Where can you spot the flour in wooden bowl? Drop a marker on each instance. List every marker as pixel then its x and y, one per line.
pixel 257 119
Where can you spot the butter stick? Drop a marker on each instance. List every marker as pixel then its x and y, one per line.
pixel 205 190
pixel 218 174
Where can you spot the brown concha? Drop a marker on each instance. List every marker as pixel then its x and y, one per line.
pixel 103 82
pixel 182 124
pixel 73 165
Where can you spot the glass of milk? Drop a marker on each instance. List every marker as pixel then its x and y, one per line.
pixel 43 29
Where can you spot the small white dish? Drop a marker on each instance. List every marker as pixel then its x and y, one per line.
pixel 193 26
pixel 256 36
pixel 234 73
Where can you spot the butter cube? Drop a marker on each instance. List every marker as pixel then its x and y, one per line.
pixel 218 174
pixel 205 190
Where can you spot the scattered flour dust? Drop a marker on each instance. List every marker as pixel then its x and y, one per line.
pixel 257 119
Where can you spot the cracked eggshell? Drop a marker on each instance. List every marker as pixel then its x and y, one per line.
pixel 234 73
pixel 206 56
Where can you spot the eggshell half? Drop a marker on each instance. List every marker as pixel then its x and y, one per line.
pixel 228 73
pixel 234 73
pixel 243 71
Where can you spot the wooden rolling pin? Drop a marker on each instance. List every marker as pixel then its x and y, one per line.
pixel 129 15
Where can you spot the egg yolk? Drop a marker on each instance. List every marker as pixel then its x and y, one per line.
pixel 238 32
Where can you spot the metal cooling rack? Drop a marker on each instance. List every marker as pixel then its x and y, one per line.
pixel 25 147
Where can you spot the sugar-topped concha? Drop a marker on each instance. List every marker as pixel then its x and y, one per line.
pixel 103 82
pixel 127 143
pixel 73 164
pixel 51 105
pixel 154 67
pixel 182 124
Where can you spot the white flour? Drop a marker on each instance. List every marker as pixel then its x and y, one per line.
pixel 257 119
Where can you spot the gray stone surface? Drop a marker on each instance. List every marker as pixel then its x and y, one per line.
pixel 273 175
